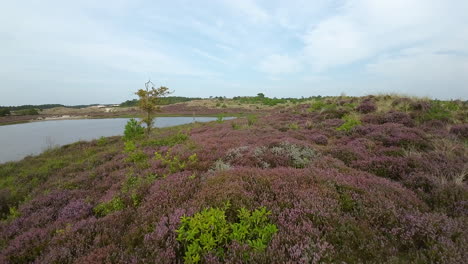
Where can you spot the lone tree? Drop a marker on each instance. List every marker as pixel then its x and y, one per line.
pixel 148 102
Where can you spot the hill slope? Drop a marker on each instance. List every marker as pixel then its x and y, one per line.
pixel 375 179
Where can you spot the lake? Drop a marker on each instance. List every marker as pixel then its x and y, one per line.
pixel 20 140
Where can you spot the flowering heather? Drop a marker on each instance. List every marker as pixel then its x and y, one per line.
pixel 460 130
pixel 367 106
pixel 391 190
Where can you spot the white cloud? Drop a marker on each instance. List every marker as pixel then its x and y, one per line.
pixel 365 28
pixel 335 41
pixel 421 73
pixel 279 64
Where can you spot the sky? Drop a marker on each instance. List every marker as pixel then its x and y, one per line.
pixel 83 52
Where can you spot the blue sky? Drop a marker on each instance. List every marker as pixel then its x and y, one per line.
pixel 81 52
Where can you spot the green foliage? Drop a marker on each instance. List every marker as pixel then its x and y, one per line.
pixel 129 146
pixel 135 155
pixel 320 105
pixel 12 214
pixel 209 231
pixel 251 120
pixel 102 141
pixel 224 106
pixel 220 118
pixel 138 157
pixel 439 111
pixel 174 163
pixel 148 102
pixel 293 126
pixel 133 130
pixel 31 111
pixel 351 121
pixel 4 111
pixel 235 126
pixel 114 205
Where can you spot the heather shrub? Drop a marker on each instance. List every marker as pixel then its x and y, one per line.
pixel 298 156
pixel 420 105
pixel 460 130
pixel 169 141
pixel 211 231
pixel 350 122
pixel 391 134
pixel 389 117
pixel 366 107
pixel 220 165
pixel 133 130
pixel 395 168
pixel 320 139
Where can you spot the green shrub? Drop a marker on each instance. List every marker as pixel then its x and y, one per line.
pixel 133 130
pixel 235 126
pixel 293 126
pixel 251 120
pixel 114 205
pixel 135 155
pixel 102 141
pixel 4 111
pixel 351 121
pixel 439 111
pixel 316 106
pixel 138 157
pixel 220 118
pixel 210 232
pixel 129 146
pixel 174 163
pixel 30 111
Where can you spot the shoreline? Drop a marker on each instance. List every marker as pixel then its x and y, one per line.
pixel 82 117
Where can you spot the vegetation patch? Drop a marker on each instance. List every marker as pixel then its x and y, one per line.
pixel 210 231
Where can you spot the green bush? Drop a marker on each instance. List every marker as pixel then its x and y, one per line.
pixel 210 232
pixel 133 130
pixel 350 122
pixel 293 126
pixel 251 120
pixel 439 111
pixel 4 111
pixel 102 141
pixel 174 163
pixel 30 111
pixel 114 205
pixel 220 118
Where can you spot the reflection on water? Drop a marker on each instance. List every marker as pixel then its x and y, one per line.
pixel 20 140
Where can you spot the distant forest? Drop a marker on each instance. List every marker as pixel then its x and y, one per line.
pixel 42 106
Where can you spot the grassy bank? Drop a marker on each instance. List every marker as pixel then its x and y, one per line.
pixel 377 179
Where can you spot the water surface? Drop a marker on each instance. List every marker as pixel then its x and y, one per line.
pixel 20 140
